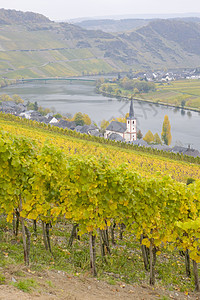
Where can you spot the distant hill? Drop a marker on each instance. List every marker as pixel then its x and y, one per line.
pixel 137 16
pixel 11 16
pixel 33 46
pixel 111 25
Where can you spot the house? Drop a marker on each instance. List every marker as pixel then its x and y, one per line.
pixel 140 143
pixel 160 147
pixel 10 107
pixel 66 124
pixel 126 130
pixel 116 137
pixel 26 114
pixel 87 129
pixel 186 151
pixel 53 120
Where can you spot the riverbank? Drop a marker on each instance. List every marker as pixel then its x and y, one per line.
pixel 113 94
pixel 180 94
pixel 149 101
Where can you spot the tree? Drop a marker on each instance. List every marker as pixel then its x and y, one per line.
pixel 58 116
pixel 135 91
pixel 148 137
pixel 109 89
pixel 139 134
pixel 166 131
pixel 5 97
pixel 183 103
pixel 104 87
pixel 86 119
pixel 36 106
pixel 17 99
pixel 30 105
pixel 118 92
pixel 104 124
pixel 157 139
pixel 43 111
pixel 78 118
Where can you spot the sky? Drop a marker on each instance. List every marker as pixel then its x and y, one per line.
pixel 70 9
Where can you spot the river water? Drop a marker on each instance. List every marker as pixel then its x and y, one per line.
pixel 74 97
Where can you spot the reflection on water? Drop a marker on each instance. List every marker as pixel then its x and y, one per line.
pixel 71 98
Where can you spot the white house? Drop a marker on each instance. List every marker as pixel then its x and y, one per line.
pixel 26 114
pixel 128 130
pixel 53 121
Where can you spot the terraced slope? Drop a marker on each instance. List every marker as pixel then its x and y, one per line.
pixel 32 46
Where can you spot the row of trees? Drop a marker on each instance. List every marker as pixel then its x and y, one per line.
pixel 150 138
pixel 141 86
pixel 15 98
pixel 123 87
pixel 165 135
pixel 5 82
pixel 81 119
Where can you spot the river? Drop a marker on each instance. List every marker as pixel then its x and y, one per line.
pixel 74 97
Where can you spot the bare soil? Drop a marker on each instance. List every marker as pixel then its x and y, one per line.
pixel 54 285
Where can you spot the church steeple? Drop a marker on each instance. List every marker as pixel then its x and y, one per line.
pixel 131 130
pixel 131 112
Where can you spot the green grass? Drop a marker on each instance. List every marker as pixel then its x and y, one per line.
pixel 26 285
pixel 49 283
pixel 2 279
pixel 176 91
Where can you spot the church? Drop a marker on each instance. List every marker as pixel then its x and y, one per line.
pixel 126 131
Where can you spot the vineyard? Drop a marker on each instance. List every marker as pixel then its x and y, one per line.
pixel 146 161
pixel 48 179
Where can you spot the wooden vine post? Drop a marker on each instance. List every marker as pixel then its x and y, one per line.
pixel 187 263
pixel 196 277
pixel 152 263
pixel 92 254
pixel 26 242
pixel 145 254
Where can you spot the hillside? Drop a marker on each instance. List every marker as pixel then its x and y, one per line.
pixel 9 16
pixel 32 46
pixel 111 25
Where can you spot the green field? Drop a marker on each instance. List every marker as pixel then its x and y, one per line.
pixel 179 93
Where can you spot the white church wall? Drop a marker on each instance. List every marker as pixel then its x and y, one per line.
pixel 109 132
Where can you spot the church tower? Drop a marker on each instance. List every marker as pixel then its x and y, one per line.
pixel 131 128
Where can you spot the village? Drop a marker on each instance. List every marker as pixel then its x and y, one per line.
pixel 165 76
pixel 116 131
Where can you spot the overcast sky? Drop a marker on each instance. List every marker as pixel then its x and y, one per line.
pixel 69 9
